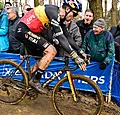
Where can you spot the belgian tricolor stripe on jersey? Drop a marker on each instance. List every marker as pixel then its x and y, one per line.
pixel 36 19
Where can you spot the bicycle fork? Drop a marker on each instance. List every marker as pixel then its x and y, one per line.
pixel 72 87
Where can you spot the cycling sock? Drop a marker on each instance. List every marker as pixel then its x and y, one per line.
pixel 38 74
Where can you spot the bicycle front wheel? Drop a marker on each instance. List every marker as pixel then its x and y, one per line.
pixel 13 82
pixel 88 103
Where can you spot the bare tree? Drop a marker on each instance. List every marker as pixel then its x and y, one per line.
pixel 36 2
pixel 114 18
pixel 105 9
pixel 96 6
pixel 50 1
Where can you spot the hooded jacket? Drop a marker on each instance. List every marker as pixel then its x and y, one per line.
pixel 4 42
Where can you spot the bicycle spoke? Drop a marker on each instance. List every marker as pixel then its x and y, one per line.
pixel 88 103
pixel 12 82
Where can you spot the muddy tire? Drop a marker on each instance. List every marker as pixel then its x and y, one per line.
pixel 87 102
pixel 13 82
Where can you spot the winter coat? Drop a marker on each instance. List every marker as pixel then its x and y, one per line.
pixel 4 42
pixel 84 28
pixel 13 42
pixel 115 30
pixel 72 34
pixel 100 47
pixel 73 29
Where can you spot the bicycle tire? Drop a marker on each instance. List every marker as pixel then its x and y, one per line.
pixel 63 103
pixel 12 89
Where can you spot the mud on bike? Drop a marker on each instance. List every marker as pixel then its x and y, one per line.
pixel 13 89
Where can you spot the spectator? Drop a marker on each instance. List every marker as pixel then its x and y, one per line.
pixel 117 49
pixel 4 43
pixel 14 44
pixel 27 32
pixel 7 5
pixel 115 30
pixel 87 23
pixel 26 8
pixel 99 43
pixel 73 31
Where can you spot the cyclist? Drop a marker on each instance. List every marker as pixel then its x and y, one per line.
pixel 71 41
pixel 32 24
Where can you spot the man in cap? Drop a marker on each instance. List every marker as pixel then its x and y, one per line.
pixel 99 43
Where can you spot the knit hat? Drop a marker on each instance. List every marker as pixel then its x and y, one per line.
pixel 1 5
pixel 100 22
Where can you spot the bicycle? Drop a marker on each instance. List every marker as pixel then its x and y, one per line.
pixel 13 89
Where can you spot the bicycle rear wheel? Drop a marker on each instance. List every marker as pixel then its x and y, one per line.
pixel 87 103
pixel 13 82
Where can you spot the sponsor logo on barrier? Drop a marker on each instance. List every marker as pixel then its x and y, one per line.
pixel 49 74
pixel 7 71
pixel 99 80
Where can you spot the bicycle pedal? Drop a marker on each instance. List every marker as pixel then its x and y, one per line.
pixel 38 87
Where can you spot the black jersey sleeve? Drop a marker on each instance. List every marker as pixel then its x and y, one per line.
pixel 52 13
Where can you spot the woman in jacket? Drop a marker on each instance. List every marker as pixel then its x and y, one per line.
pixel 4 43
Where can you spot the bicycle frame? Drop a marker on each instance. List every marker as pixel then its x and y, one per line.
pixel 65 69
pixel 15 89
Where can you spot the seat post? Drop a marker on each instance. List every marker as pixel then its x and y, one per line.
pixel 28 65
pixel 66 61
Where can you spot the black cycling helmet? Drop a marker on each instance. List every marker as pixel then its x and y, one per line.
pixel 74 4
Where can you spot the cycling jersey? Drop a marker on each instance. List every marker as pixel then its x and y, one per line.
pixel 29 30
pixel 36 19
pixel 39 18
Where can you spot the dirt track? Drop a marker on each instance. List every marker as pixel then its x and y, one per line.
pixel 43 106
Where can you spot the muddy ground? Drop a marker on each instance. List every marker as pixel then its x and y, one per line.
pixel 43 106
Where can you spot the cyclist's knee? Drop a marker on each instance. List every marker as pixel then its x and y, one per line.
pixel 50 50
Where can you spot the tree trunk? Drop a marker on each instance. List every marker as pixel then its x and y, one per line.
pixel 96 6
pixel 50 1
pixel 105 9
pixel 36 3
pixel 114 18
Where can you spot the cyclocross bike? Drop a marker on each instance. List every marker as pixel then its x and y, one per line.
pixel 13 89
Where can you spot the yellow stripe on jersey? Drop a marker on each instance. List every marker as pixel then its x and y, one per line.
pixel 41 15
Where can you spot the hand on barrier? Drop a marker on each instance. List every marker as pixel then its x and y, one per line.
pixel 21 56
pixel 102 65
pixel 85 56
